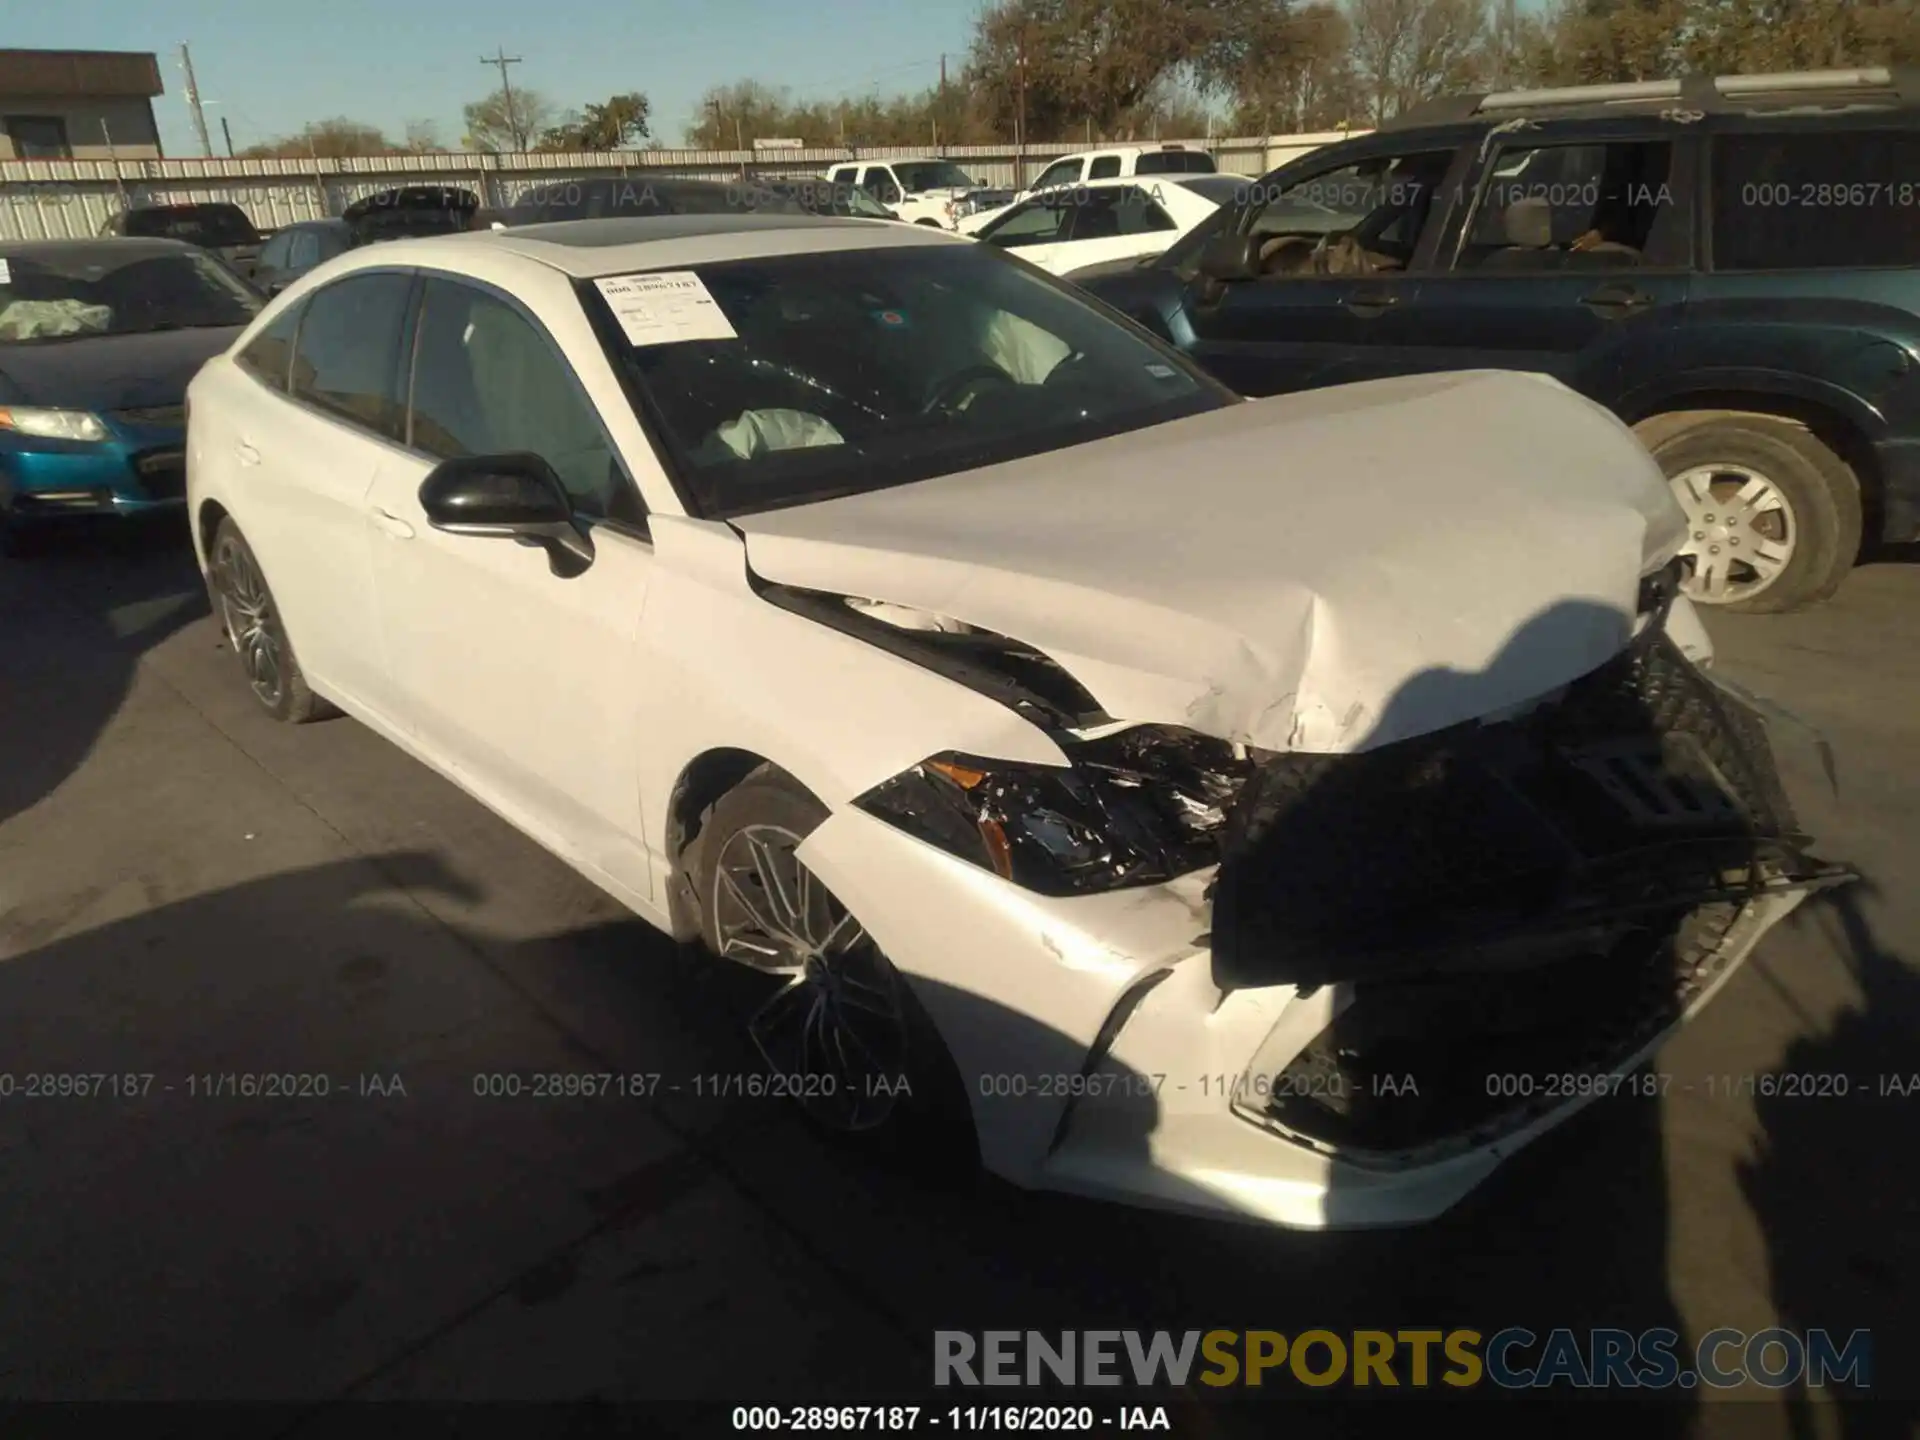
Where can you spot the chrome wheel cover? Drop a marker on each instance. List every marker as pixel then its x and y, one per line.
pixel 246 609
pixel 1741 532
pixel 836 1031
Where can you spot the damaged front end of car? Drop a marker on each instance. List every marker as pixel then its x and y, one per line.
pixel 1505 911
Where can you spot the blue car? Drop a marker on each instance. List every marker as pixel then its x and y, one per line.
pixel 98 339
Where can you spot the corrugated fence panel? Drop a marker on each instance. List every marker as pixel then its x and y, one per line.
pixel 46 199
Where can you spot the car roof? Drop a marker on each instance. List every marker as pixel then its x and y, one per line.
pixel 128 245
pixel 583 249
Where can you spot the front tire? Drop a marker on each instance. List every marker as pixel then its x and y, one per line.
pixel 245 607
pixel 1773 516
pixel 841 1030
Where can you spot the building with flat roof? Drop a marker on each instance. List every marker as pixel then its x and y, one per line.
pixel 78 104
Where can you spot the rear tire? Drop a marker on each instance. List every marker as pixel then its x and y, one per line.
pixel 829 974
pixel 1774 516
pixel 250 618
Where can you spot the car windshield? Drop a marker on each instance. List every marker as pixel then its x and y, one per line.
pixel 824 197
pixel 839 373
pixel 54 294
pixel 196 224
pixel 918 175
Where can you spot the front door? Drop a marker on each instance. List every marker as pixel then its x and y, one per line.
pixel 522 683
pixel 1341 255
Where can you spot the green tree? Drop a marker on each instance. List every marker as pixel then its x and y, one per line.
pixel 617 123
pixel 492 124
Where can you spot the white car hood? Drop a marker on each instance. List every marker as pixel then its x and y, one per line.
pixel 1331 571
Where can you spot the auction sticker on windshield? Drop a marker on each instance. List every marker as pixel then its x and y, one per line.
pixel 665 307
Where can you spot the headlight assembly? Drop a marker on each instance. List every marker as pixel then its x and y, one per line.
pixel 1134 808
pixel 52 424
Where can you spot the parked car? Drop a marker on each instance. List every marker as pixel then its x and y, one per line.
pixel 1121 162
pixel 409 211
pixel 224 229
pixel 1093 224
pixel 925 192
pixel 1725 264
pixel 98 339
pixel 1015 700
pixel 818 195
pixel 556 201
pixel 298 248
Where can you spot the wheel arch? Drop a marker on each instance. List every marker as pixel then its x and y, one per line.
pixel 702 783
pixel 1658 421
pixel 206 524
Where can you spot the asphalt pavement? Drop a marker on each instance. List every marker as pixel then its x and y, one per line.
pixel 190 891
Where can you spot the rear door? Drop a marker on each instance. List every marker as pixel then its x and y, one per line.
pixel 1300 325
pixel 1110 222
pixel 1575 259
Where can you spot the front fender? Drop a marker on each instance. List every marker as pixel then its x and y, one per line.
pixel 726 669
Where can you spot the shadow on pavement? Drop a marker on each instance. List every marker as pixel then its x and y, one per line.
pixel 79 614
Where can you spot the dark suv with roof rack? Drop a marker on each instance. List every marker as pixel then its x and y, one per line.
pixel 1731 265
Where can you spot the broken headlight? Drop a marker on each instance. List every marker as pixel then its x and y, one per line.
pixel 1134 808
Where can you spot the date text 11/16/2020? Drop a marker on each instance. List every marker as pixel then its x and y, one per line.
pixel 202 1085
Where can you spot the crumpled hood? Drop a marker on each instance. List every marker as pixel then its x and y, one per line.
pixel 110 372
pixel 1330 571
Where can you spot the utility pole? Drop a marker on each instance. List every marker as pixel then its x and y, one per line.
pixel 193 103
pixel 1020 113
pixel 227 131
pixel 501 59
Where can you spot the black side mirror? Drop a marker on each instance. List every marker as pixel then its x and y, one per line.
pixel 514 497
pixel 1230 257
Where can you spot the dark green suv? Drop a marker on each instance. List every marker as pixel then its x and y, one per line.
pixel 1731 265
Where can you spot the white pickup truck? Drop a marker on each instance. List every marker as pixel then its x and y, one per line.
pixel 1121 162
pixel 925 192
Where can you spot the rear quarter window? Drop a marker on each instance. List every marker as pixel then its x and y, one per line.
pixel 1816 201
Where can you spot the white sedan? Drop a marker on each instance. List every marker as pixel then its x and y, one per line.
pixel 1102 221
pixel 1278 809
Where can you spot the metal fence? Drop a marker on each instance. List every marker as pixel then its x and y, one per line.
pixel 51 199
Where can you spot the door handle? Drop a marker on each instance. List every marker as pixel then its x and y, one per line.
pixel 246 453
pixel 392 524
pixel 1368 303
pixel 1612 300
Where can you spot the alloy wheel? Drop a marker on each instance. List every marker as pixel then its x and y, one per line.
pixel 1741 532
pixel 836 1030
pixel 246 608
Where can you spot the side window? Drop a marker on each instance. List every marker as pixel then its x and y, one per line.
pixel 1815 202
pixel 1577 207
pixel 1061 172
pixel 347 360
pixel 306 251
pixel 846 175
pixel 1106 167
pixel 1369 215
pixel 1141 214
pixel 487 381
pixel 269 355
pixel 879 184
pixel 273 255
pixel 1038 222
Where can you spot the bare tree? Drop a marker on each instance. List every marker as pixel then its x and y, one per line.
pixel 422 137
pixel 1407 51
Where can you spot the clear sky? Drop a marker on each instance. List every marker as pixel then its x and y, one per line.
pixel 270 66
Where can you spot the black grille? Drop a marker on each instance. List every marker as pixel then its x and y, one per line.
pixel 163 474
pixel 154 415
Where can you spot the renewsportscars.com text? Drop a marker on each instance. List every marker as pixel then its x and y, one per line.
pixel 1513 1358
